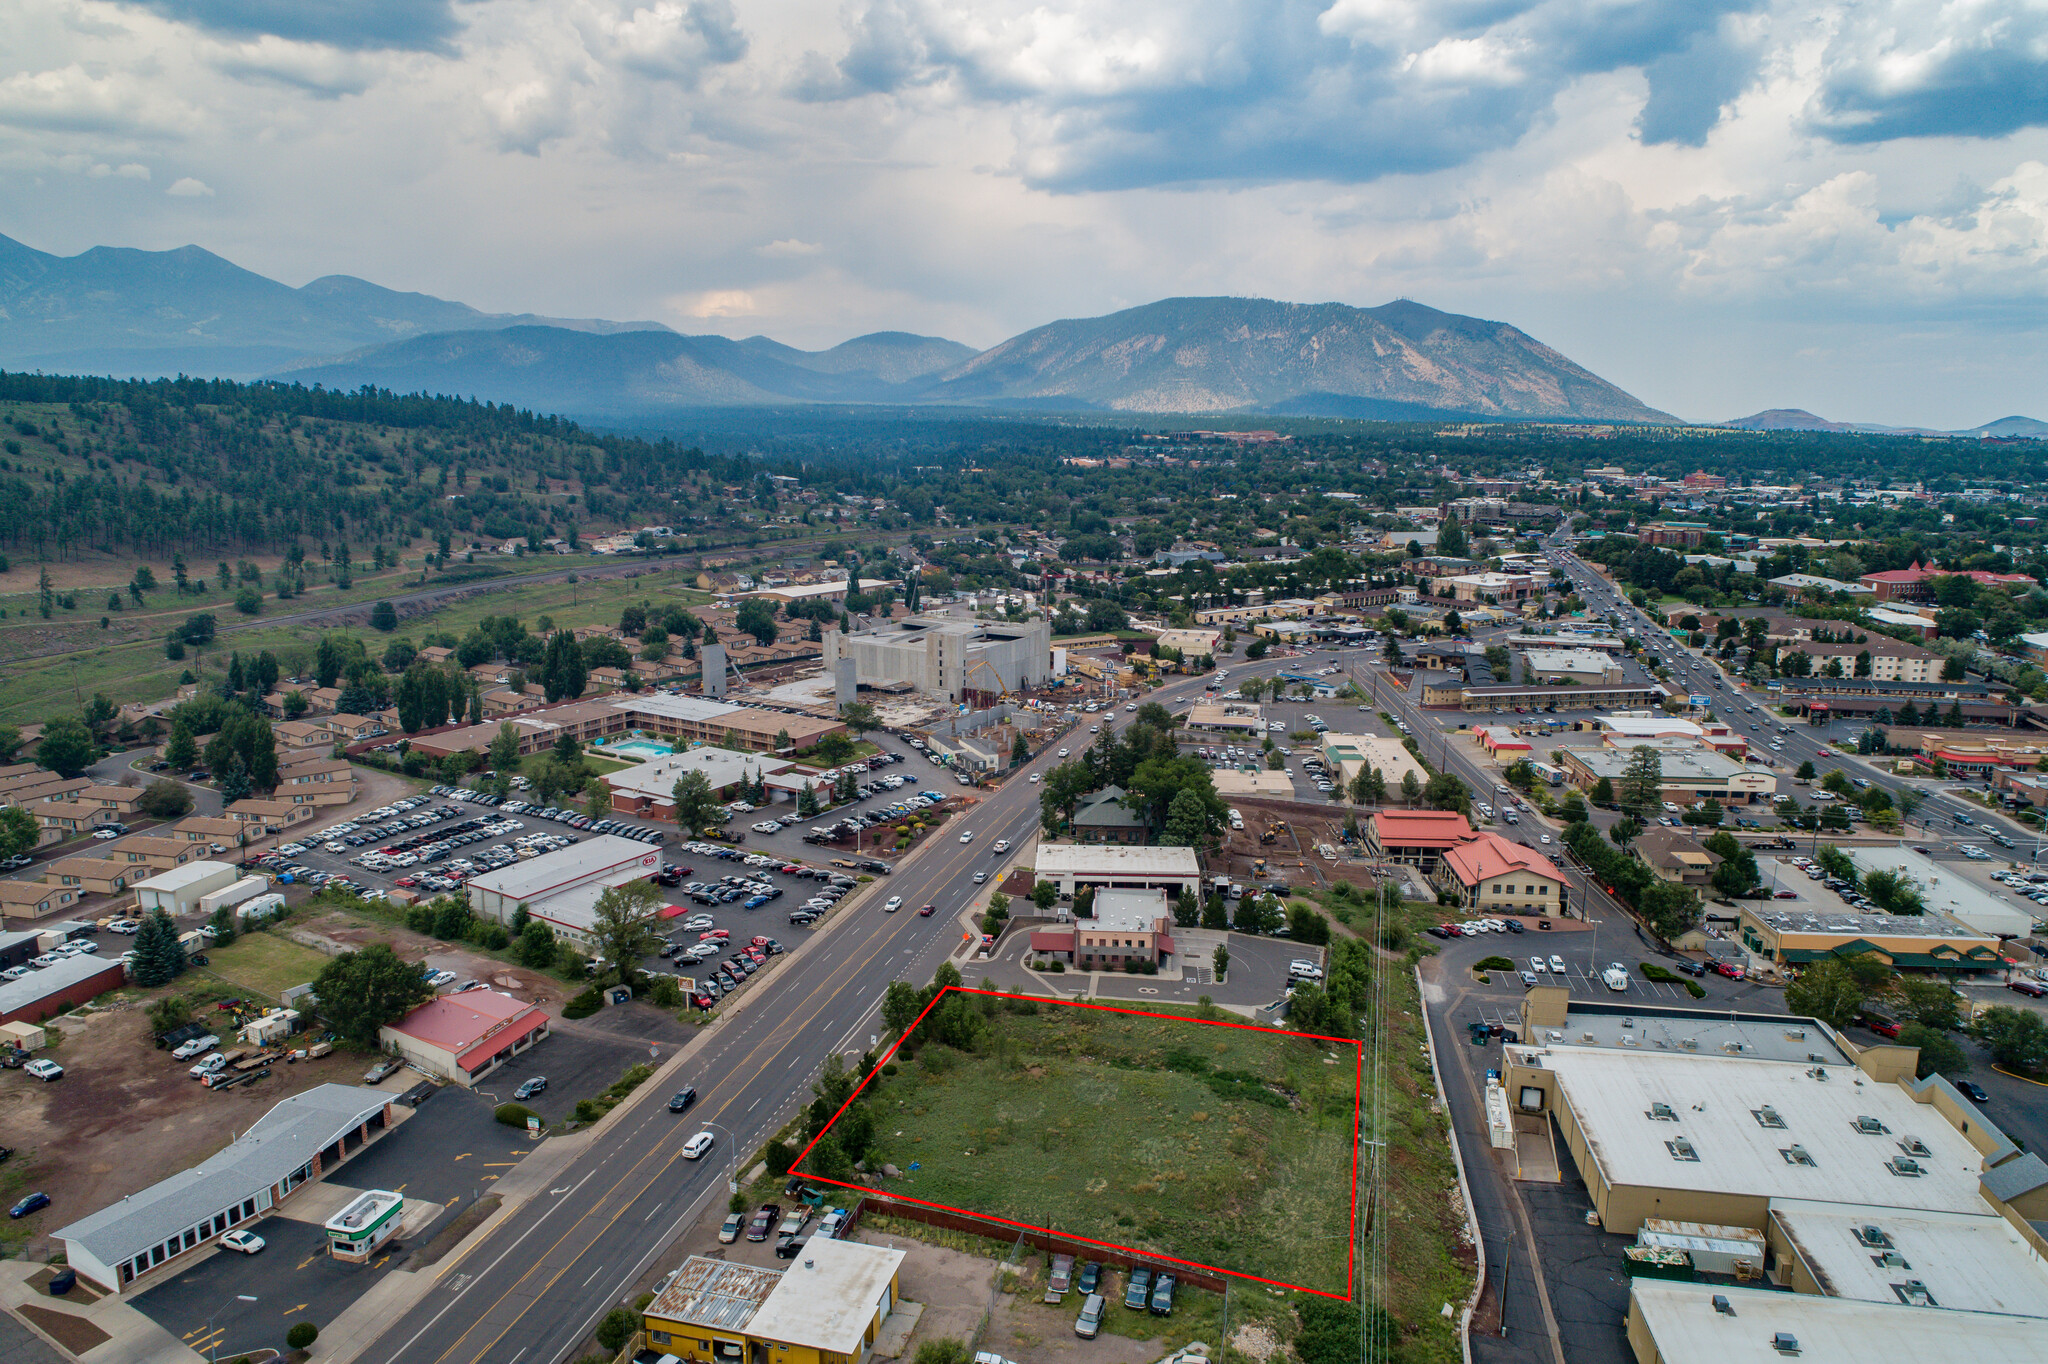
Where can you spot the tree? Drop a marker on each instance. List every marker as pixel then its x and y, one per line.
pixel 756 616
pixel 901 1004
pixel 536 950
pixel 2016 1038
pixel 1669 909
pixel 361 991
pixel 1894 892
pixel 1641 789
pixel 859 717
pixel 1020 752
pixel 303 1334
pixel 1187 910
pixel 622 926
pixel 165 799
pixel 223 925
pixel 807 802
pixel 1834 989
pixel 564 675
pixel 597 798
pixel 159 959
pixel 1940 1054
pixel 384 616
pixel 696 803
pixel 1806 770
pixel 67 747
pixel 1572 809
pixel 1932 1003
pixel 1045 894
pixel 1603 793
pixel 1220 959
pixel 1451 540
pixel 1187 821
pixel 1411 789
pixel 19 832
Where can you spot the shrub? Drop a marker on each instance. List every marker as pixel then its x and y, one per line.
pixel 1494 964
pixel 513 1115
pixel 942 1350
pixel 584 1005
pixel 587 1111
pixel 889 1069
pixel 302 1335
pixel 616 1329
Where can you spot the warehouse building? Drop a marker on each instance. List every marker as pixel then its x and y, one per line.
pixel 297 1141
pixel 1690 774
pixel 826 1308
pixel 1582 667
pixel 60 986
pixel 958 658
pixel 560 888
pixel 647 790
pixel 179 890
pixel 1109 866
pixel 1705 1323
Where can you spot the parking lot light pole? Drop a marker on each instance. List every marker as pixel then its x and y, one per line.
pixel 214 1349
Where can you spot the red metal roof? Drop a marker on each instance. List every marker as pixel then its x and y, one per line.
pixel 1486 855
pixel 1419 828
pixel 458 1023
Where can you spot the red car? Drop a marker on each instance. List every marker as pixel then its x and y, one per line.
pixel 758 942
pixel 715 935
pixel 927 911
pixel 2028 988
pixel 1732 972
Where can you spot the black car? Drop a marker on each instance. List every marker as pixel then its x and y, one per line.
pixel 1692 968
pixel 1973 1091
pixel 683 1098
pixel 530 1088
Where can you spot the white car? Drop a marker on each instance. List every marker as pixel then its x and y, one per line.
pixel 696 1147
pixel 767 826
pixel 1537 965
pixel 895 903
pixel 1002 845
pixel 45 1071
pixel 1556 965
pixel 967 837
pixel 187 1050
pixel 1034 779
pixel 980 877
pixel 248 1242
pixel 1062 753
pixel 208 1064
pixel 440 978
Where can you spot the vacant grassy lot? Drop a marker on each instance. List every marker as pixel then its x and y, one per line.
pixel 1219 1145
pixel 263 962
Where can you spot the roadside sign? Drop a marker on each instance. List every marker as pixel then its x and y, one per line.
pixel 532 1127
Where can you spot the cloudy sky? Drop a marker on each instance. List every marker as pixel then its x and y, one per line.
pixel 1721 205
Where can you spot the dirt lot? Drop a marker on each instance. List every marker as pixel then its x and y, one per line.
pixel 125 1115
pixel 336 931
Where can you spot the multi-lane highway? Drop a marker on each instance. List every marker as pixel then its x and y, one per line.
pixel 532 1289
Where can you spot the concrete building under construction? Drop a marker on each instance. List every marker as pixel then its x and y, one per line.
pixel 958 658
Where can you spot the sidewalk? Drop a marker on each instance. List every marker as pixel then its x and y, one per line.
pixel 103 1330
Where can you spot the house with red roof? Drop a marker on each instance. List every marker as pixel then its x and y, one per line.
pixel 1494 875
pixel 1419 838
pixel 464 1037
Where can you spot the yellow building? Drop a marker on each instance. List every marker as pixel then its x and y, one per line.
pixel 826 1308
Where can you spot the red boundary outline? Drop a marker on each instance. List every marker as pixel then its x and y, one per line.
pixel 1357 1110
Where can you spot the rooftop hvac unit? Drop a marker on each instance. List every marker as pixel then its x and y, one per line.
pixel 1690 1044
pixel 1914 1293
pixel 1818 1073
pixel 1723 1306
pixel 1628 1040
pixel 1662 1113
pixel 1913 1146
pixel 1795 1034
pixel 1905 1167
pixel 1815 1057
pixel 1870 1234
pixel 1796 1154
pixel 1869 1126
pixel 1785 1343
pixel 1891 1259
pixel 1767 1116
pixel 1681 1149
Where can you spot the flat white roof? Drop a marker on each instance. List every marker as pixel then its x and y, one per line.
pixel 677 707
pixel 1650 726
pixel 720 766
pixel 1105 859
pixel 1967 1262
pixel 1688 1330
pixel 554 871
pixel 1568 660
pixel 177 878
pixel 1946 889
pixel 1126 911
pixel 1714 1101
pixel 828 1297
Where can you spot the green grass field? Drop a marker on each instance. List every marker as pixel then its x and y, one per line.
pixel 263 962
pixel 1223 1146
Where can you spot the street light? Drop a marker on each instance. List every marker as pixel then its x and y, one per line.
pixel 214 1348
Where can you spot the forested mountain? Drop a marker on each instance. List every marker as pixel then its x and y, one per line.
pixel 114 310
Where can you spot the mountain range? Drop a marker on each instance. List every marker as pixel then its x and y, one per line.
pixel 115 310
pixel 121 311
pixel 1799 419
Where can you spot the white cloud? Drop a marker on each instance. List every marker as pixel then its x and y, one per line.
pixel 188 188
pixel 788 246
pixel 714 303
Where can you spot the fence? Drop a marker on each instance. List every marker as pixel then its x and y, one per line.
pixel 957 725
pixel 1053 1242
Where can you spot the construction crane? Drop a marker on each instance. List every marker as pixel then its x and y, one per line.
pixel 979 667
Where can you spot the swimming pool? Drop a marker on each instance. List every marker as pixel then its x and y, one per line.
pixel 639 748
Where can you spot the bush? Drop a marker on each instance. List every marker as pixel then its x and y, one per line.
pixel 616 1329
pixel 587 1111
pixel 302 1335
pixel 513 1115
pixel 584 1005
pixel 942 1350
pixel 1494 964
pixel 1652 971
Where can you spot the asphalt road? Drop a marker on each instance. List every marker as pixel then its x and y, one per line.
pixel 533 1289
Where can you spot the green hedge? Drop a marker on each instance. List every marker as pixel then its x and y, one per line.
pixel 513 1115
pixel 1494 964
pixel 584 1005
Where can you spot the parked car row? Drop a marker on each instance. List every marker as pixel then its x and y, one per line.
pixel 1147 1290
pixel 77 947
